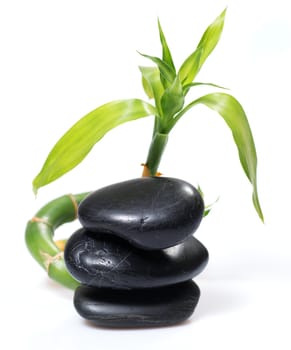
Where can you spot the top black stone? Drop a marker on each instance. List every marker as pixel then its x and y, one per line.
pixel 151 213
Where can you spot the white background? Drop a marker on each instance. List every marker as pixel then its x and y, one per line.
pixel 61 59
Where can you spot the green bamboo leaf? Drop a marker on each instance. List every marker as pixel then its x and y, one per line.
pixel 152 85
pixel 188 86
pixel 147 88
pixel 166 71
pixel 173 99
pixel 167 56
pixel 206 212
pixel 234 116
pixel 199 189
pixel 208 42
pixel 77 142
pixel 208 207
pixel 190 67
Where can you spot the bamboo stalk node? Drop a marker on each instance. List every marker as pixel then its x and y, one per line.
pixel 75 204
pixel 48 259
pixel 40 220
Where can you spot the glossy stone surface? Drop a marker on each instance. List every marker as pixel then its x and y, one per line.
pixel 151 213
pixel 111 262
pixel 137 308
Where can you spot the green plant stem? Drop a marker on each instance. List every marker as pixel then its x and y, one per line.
pixel 40 232
pixel 157 147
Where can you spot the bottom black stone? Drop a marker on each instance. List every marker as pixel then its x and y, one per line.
pixel 137 307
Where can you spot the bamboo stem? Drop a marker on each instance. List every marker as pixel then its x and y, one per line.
pixel 40 232
pixel 156 150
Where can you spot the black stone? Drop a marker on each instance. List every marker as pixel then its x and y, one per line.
pixel 151 213
pixel 111 262
pixel 137 308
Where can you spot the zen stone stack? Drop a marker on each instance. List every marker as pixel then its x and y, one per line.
pixel 135 256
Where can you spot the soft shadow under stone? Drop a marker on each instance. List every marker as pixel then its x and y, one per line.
pixel 110 262
pixel 163 306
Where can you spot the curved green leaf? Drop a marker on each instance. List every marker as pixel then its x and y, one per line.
pixel 209 40
pixel 233 114
pixel 77 142
pixel 190 67
pixel 152 85
pixel 166 71
pixel 188 86
pixel 167 56
pixel 208 207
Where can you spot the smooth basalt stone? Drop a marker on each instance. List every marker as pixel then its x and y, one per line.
pixel 151 213
pixel 111 262
pixel 137 308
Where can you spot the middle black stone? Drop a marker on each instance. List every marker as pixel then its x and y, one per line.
pixel 102 260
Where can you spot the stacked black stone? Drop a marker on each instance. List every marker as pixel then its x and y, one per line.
pixel 135 256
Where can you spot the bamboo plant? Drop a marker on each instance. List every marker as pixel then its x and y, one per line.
pixel 168 88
